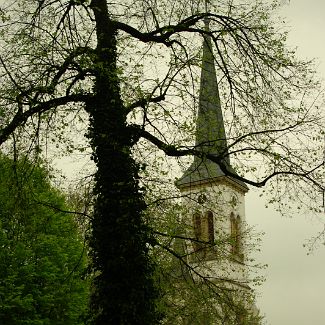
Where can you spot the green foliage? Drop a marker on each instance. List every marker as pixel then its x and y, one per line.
pixel 42 258
pixel 133 68
pixel 190 297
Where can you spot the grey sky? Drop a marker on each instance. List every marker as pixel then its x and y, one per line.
pixel 294 292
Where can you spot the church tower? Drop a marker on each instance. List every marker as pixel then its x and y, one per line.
pixel 214 203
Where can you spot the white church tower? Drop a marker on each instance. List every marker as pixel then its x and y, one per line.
pixel 214 202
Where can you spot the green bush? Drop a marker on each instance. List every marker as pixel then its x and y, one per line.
pixel 42 256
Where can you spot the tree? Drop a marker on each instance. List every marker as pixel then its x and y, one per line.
pixel 42 277
pixel 132 68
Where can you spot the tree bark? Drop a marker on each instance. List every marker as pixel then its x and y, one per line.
pixel 124 290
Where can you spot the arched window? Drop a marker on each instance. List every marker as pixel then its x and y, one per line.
pixel 208 227
pixel 197 229
pixel 203 227
pixel 235 234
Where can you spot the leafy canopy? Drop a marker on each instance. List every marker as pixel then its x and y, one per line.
pixel 42 257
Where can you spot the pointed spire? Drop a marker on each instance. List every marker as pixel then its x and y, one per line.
pixel 210 130
pixel 210 134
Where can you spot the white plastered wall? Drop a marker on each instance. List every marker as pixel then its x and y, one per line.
pixel 222 197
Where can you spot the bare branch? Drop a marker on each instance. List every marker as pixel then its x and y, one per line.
pixel 21 117
pixel 173 151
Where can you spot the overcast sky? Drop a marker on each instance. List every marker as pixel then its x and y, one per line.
pixel 294 291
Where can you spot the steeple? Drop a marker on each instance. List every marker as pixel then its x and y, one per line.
pixel 210 134
pixel 210 130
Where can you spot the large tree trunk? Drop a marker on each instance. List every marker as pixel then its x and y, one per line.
pixel 123 289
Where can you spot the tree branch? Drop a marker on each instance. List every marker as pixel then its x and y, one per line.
pixel 21 118
pixel 173 151
pixel 199 275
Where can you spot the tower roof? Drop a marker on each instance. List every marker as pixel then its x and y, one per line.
pixel 210 134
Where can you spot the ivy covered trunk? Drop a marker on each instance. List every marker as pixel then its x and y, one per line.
pixel 123 288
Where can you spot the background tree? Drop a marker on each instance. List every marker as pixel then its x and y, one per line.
pixel 42 277
pixel 131 69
